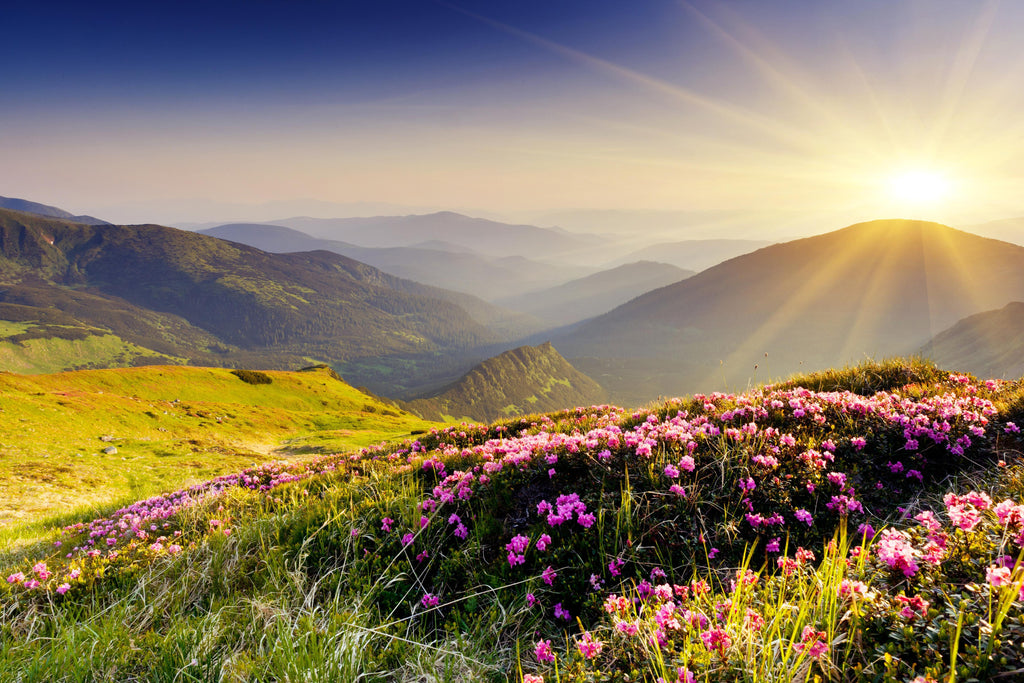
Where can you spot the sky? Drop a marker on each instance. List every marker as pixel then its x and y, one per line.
pixel 765 118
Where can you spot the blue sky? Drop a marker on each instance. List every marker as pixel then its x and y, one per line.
pixel 206 110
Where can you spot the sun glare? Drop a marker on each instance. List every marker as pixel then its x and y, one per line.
pixel 919 187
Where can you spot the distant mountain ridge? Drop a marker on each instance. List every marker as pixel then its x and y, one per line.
pixel 438 265
pixel 988 344
pixel 479 234
pixel 213 299
pixel 529 379
pixel 15 204
pixel 877 289
pixel 694 255
pixel 595 294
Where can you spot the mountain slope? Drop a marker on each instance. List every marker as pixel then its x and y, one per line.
pixel 461 271
pixel 482 235
pixel 26 206
pixel 694 254
pixel 595 294
pixel 315 304
pixel 445 275
pixel 876 289
pixel 989 344
pixel 529 379
pixel 169 426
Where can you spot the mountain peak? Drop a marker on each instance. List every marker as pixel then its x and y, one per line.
pixel 528 379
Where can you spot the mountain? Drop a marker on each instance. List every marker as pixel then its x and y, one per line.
pixel 15 204
pixel 693 254
pixel 481 235
pixel 595 294
pixel 440 265
pixel 306 305
pixel 988 344
pixel 530 379
pixel 1006 229
pixel 875 289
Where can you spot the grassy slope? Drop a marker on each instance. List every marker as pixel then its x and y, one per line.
pixel 171 426
pixel 315 580
pixel 528 379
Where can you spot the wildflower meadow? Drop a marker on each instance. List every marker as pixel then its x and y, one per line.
pixel 856 525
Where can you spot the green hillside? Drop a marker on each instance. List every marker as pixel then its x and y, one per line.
pixel 857 525
pixel 529 379
pixel 170 426
pixel 181 295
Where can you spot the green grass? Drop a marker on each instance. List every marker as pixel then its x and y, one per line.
pixel 54 354
pixel 170 426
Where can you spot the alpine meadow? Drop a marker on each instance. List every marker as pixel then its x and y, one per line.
pixel 674 341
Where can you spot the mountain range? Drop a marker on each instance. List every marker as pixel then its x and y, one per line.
pixel 196 298
pixel 988 344
pixel 433 262
pixel 595 294
pixel 873 289
pixel 27 206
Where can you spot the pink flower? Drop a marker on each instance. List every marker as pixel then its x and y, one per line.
pixel 913 607
pixel 671 471
pixel 549 576
pixel 562 613
pixel 63 588
pixel 894 548
pixel 430 600
pixel 686 463
pixel 716 639
pixel 813 642
pixel 532 678
pixel 543 542
pixel 407 539
pixel 804 516
pixel 997 576
pixel 385 524
pixel 589 647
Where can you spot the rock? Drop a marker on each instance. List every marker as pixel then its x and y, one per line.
pixel 106 438
pixel 110 450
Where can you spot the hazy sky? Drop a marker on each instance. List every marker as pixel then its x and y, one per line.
pixel 170 111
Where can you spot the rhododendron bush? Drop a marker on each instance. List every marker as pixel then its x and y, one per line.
pixel 779 534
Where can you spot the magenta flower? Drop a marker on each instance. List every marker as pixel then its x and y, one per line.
pixel 804 516
pixel 549 575
pixel 543 542
pixel 407 539
pixel 385 524
pixel 561 613
pixel 589 647
pixel 542 650
pixel 430 600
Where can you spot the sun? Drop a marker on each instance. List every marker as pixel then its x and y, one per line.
pixel 919 187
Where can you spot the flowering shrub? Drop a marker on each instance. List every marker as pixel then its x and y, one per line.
pixel 681 541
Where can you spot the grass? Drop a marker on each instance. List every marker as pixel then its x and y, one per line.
pixel 451 556
pixel 170 426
